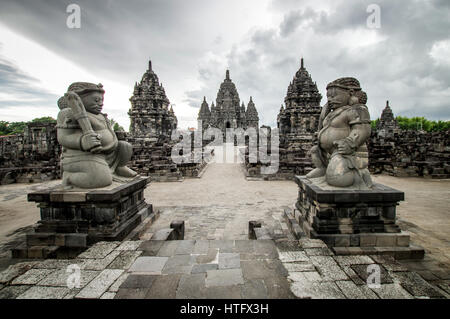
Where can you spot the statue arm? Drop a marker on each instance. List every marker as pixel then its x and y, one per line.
pixel 359 122
pixel 70 138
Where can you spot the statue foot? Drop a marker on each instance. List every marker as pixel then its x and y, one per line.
pixel 317 172
pixel 125 172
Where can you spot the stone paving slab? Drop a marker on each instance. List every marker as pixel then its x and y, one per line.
pixel 59 278
pixel 97 287
pixel 41 292
pixel 149 265
pixel 217 269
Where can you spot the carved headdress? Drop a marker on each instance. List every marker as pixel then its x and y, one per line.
pixel 352 85
pixel 80 88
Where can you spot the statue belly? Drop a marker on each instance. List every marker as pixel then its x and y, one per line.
pixel 330 135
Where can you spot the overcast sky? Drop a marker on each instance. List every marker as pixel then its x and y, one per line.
pixel 192 42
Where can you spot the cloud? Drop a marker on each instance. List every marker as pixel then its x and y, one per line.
pixel 192 43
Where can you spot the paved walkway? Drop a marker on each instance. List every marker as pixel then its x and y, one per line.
pixel 216 260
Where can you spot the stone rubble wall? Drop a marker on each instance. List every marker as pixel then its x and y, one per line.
pixel 404 153
pixel 32 156
pixel 399 153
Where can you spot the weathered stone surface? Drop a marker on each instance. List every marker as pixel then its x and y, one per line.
pixel 363 273
pixel 32 277
pixel 293 256
pixel 224 277
pixel 201 247
pixel 99 250
pixel 99 264
pixel 59 278
pixel 151 247
pixel 203 268
pixel 130 245
pixel 254 289
pixel 12 292
pixel 179 264
pixel 116 285
pixel 149 265
pixel 352 291
pixel 392 291
pixel 229 260
pixel 316 290
pixel 131 293
pixel 191 286
pixel 353 260
pixel 168 248
pixel 125 259
pixel 164 287
pixel 14 271
pixel 211 257
pixel 138 281
pixel 108 295
pixel 328 268
pixel 97 287
pixel 299 266
pixel 313 276
pixel 220 292
pixel 416 285
pixel 40 292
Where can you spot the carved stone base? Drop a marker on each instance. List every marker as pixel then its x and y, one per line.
pixel 354 221
pixel 72 220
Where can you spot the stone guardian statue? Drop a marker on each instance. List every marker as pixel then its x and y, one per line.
pixel 92 156
pixel 341 156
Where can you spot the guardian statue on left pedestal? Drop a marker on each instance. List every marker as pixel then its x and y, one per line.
pixel 92 156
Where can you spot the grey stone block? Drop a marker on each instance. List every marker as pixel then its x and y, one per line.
pixel 229 260
pixel 99 285
pixel 224 277
pixel 203 268
pixel 39 292
pixel 148 265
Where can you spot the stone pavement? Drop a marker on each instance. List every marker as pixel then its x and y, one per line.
pixel 235 269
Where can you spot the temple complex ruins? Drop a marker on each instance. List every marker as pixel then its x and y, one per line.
pixel 228 112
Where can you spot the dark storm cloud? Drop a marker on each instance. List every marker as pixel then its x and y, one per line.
pixel 398 67
pixel 117 37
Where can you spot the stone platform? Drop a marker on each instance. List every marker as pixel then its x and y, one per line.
pixel 72 220
pixel 354 222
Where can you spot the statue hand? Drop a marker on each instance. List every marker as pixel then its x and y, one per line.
pixel 72 97
pixel 344 147
pixel 91 141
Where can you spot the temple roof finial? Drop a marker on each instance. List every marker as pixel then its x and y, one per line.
pixel 301 63
pixel 387 103
pixel 227 76
pixel 251 99
pixel 150 65
pixel 204 98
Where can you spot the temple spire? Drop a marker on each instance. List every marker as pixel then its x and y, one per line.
pixel 150 65
pixel 227 75
pixel 387 103
pixel 301 64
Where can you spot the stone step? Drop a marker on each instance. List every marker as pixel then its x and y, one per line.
pixel 411 252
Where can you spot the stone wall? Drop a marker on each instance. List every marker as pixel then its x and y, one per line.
pixel 410 153
pixel 30 157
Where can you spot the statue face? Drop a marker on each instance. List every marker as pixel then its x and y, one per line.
pixel 337 97
pixel 93 102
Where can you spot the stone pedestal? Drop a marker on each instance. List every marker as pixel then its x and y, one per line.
pixel 72 220
pixel 354 222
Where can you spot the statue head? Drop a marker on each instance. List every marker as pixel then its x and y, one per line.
pixel 90 94
pixel 345 91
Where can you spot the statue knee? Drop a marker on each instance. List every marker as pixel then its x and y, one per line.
pixel 338 173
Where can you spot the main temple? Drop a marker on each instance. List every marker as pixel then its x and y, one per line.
pixel 228 112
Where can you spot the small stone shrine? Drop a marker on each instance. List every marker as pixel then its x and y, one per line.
pixel 338 202
pixel 100 198
pixel 152 122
